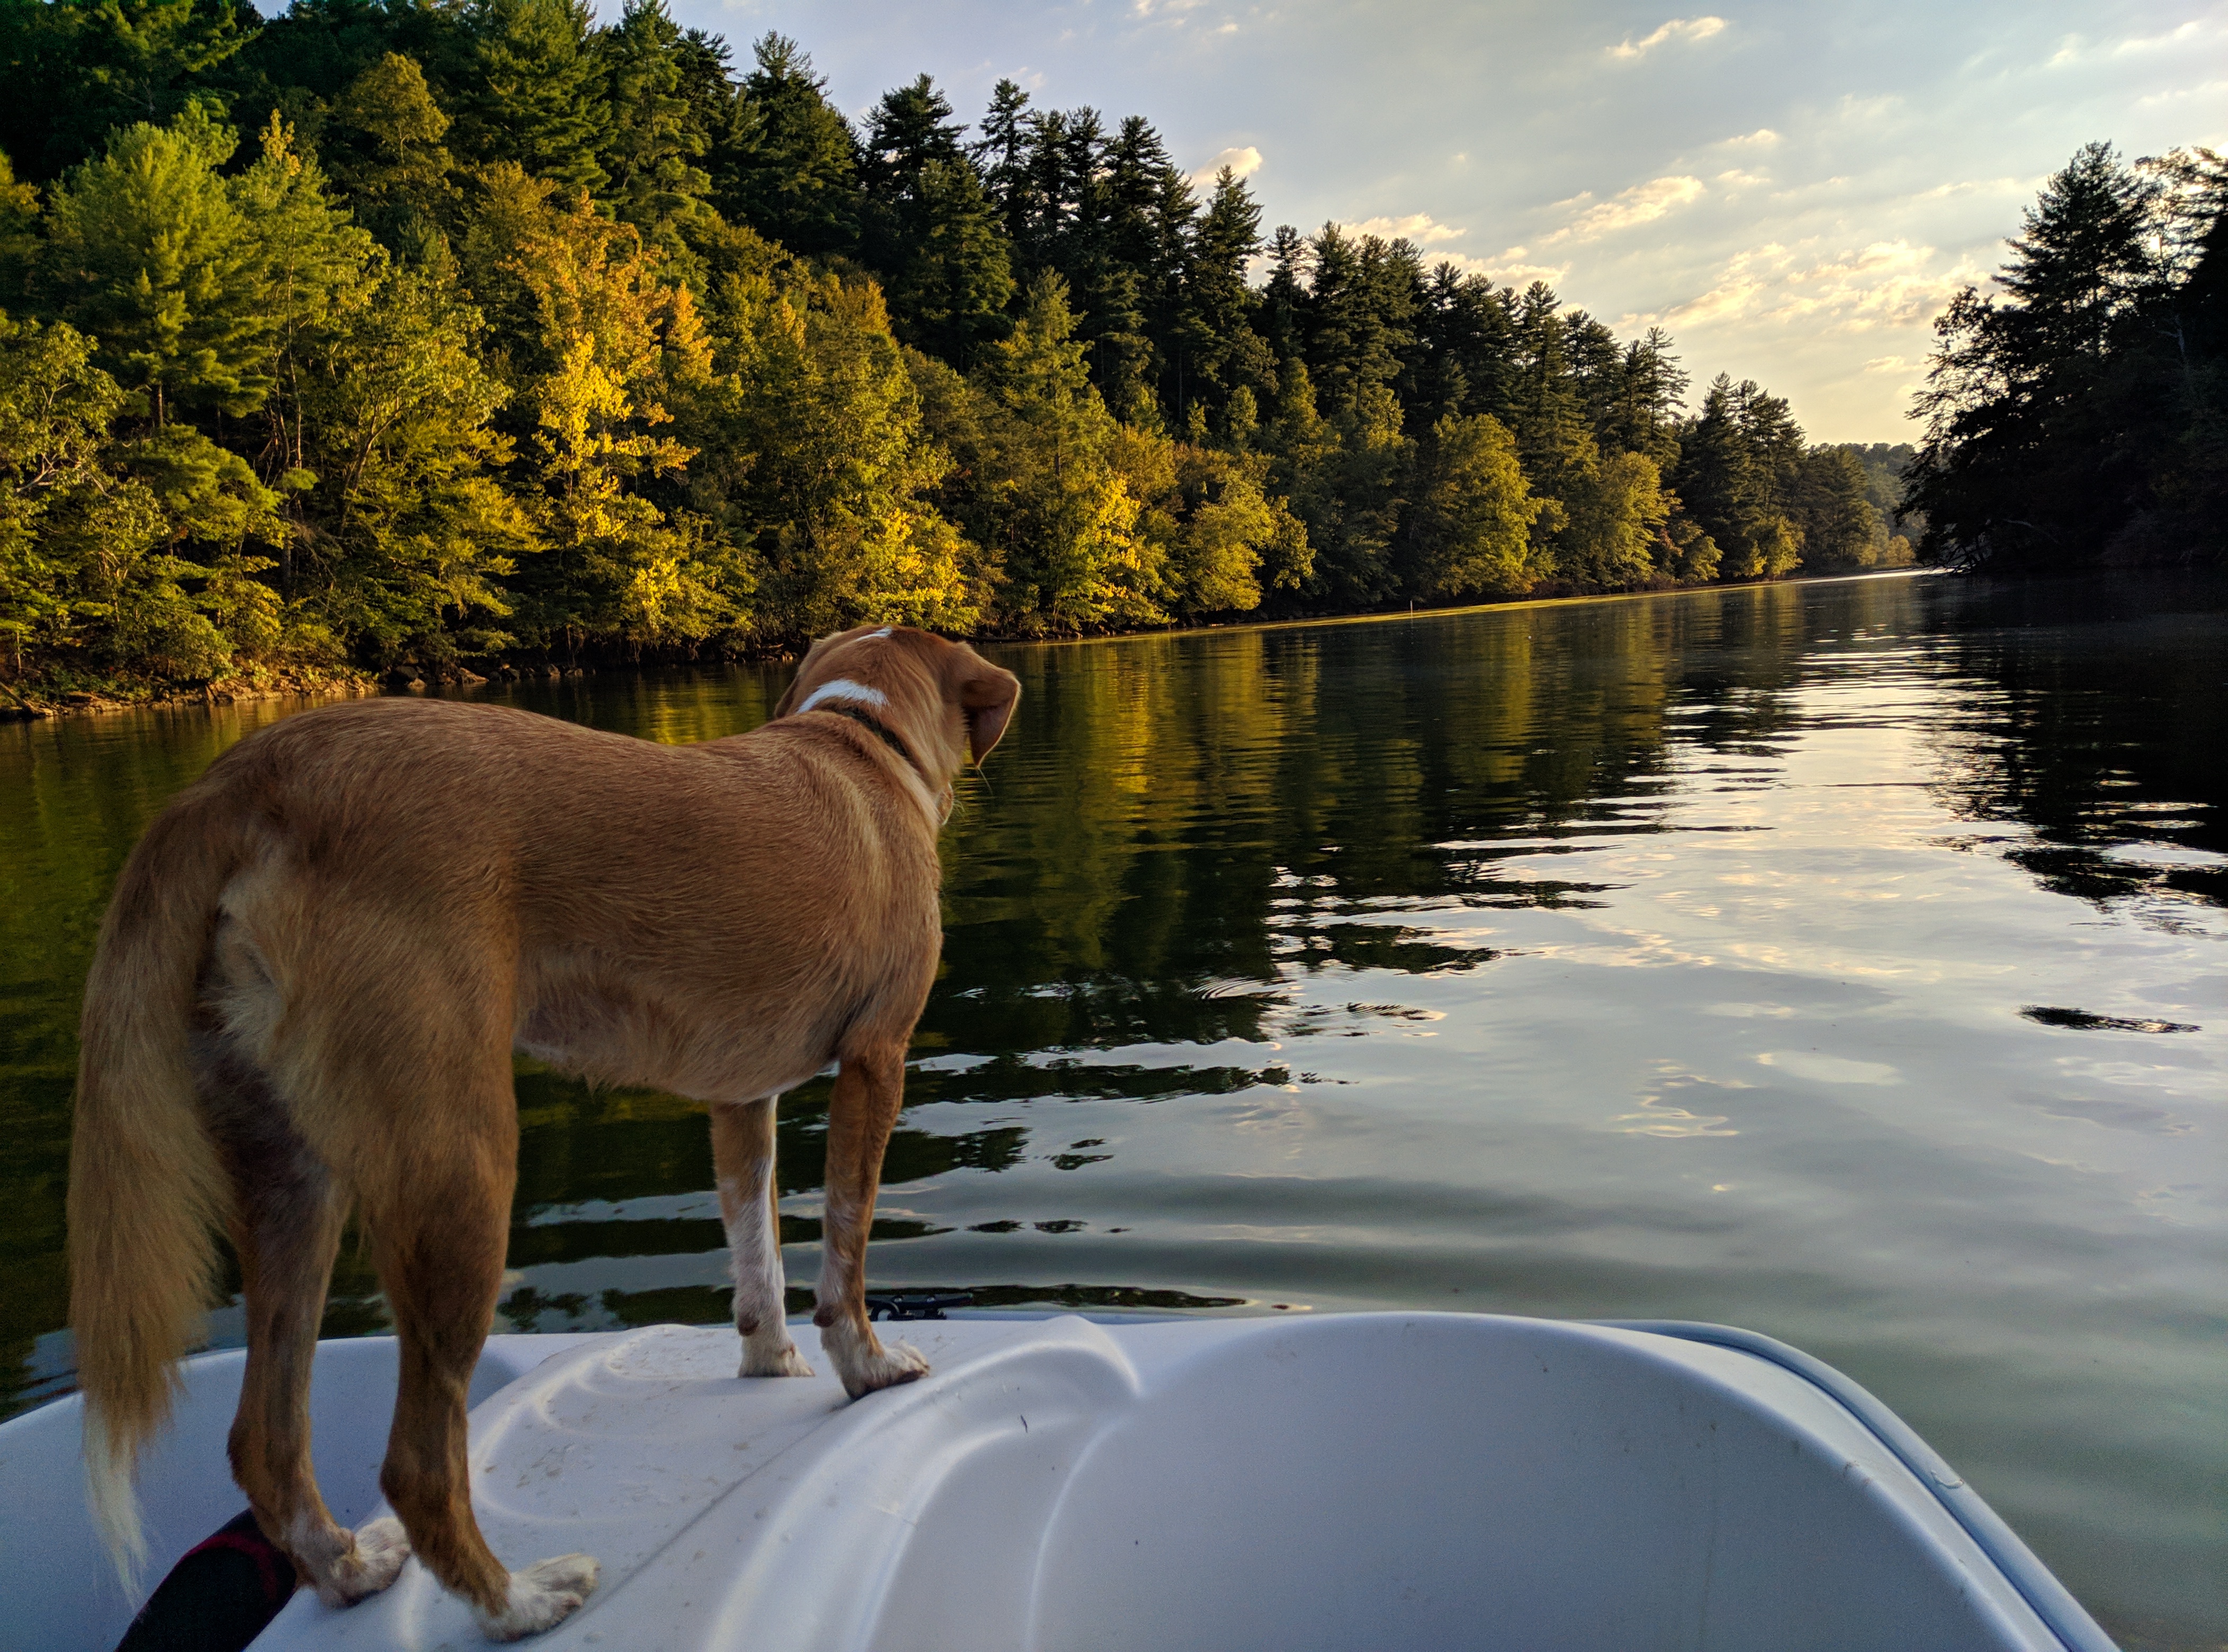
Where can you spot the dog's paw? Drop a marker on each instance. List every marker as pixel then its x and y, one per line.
pixel 895 1362
pixel 375 1562
pixel 541 1597
pixel 773 1362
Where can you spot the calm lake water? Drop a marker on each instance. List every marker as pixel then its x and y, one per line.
pixel 1841 960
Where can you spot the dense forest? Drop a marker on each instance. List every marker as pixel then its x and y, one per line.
pixel 418 334
pixel 2078 415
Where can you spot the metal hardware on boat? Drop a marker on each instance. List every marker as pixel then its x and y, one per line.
pixel 917 1305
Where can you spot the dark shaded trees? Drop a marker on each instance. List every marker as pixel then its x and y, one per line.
pixel 791 162
pixel 2061 412
pixel 931 229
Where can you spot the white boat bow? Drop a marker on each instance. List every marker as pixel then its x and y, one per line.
pixel 1365 1481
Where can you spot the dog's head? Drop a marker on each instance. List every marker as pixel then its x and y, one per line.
pixel 943 699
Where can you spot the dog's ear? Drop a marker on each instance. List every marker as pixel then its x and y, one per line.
pixel 987 695
pixel 789 694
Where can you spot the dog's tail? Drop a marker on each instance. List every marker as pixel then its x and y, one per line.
pixel 147 1187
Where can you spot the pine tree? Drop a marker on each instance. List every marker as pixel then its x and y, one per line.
pixel 655 138
pixel 539 95
pixel 2026 454
pixel 1467 340
pixel 1359 315
pixel 1552 431
pixel 931 227
pixel 1739 463
pixel 952 283
pixel 1838 528
pixel 1001 156
pixel 148 254
pixel 1217 352
pixel 794 163
pixel 1641 413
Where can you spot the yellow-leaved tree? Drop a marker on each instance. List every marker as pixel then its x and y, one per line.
pixel 626 561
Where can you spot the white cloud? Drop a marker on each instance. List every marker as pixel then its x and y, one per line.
pixel 1510 275
pixel 2189 31
pixel 1512 268
pixel 1762 138
pixel 1738 180
pixel 1418 227
pixel 1689 29
pixel 1888 364
pixel 1887 285
pixel 2209 92
pixel 1244 161
pixel 1642 203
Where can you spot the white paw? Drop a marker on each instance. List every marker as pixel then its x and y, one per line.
pixel 380 1549
pixel 780 1360
pixel 893 1363
pixel 541 1597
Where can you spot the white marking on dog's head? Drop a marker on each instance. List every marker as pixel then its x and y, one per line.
pixel 885 632
pixel 843 689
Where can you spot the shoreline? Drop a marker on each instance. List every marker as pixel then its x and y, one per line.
pixel 357 685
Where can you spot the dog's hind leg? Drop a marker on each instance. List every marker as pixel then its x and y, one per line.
pixel 750 1205
pixel 861 1112
pixel 287 1230
pixel 287 1217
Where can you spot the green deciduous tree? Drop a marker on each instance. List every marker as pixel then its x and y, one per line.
pixel 815 388
pixel 386 153
pixel 412 534
pixel 1470 530
pixel 616 344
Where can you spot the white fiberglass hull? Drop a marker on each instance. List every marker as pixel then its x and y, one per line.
pixel 1367 1480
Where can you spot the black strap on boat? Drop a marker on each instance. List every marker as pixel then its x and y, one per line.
pixel 866 719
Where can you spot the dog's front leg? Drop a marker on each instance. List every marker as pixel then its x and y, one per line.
pixel 750 1205
pixel 869 1088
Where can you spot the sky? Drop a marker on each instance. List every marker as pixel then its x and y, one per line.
pixel 1793 190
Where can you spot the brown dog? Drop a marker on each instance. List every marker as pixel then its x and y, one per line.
pixel 310 981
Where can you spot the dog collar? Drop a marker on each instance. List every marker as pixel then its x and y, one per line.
pixel 874 725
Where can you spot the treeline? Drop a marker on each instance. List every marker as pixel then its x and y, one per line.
pixel 504 332
pixel 2079 414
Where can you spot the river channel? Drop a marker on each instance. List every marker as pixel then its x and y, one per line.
pixel 1846 960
